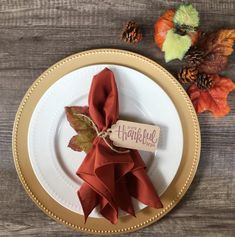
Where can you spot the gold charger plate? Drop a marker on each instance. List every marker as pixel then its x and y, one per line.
pixel 191 134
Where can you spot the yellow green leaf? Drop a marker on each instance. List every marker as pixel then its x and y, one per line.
pixel 175 46
pixel 186 15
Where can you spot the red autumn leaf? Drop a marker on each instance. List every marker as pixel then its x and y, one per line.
pixel 214 99
pixel 83 126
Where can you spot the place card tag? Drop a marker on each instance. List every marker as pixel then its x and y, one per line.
pixel 134 135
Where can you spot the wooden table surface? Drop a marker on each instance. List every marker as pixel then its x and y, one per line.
pixel 34 34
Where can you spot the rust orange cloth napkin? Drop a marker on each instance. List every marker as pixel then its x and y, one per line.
pixel 111 178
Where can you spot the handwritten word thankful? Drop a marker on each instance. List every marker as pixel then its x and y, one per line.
pixel 135 135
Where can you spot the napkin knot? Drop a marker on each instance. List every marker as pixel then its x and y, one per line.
pixel 105 134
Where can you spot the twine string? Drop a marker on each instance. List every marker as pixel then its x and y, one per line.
pixel 103 134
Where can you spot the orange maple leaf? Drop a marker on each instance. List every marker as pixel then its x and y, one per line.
pixel 214 99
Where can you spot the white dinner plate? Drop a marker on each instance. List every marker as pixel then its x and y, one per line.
pixel 140 100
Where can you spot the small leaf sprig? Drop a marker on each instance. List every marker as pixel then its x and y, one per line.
pixel 83 140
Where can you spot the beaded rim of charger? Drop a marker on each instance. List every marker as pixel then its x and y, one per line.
pixel 192 171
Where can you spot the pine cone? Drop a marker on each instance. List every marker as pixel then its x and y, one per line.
pixel 204 81
pixel 131 33
pixel 188 74
pixel 194 57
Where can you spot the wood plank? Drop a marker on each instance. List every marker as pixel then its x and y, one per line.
pixel 36 34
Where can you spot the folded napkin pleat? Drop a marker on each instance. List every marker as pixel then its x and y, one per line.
pixel 89 199
pixel 111 179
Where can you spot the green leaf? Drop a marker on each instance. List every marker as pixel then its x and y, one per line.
pixel 83 126
pixel 175 46
pixel 186 15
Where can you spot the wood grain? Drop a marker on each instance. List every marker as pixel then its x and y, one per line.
pixel 34 34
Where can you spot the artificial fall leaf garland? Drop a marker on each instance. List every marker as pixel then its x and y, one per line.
pixel 176 34
pixel 204 61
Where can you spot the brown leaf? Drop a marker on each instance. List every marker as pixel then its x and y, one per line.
pixel 217 46
pixel 213 63
pixel 218 42
pixel 214 99
pixel 73 144
pixel 83 126
pixel 74 120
